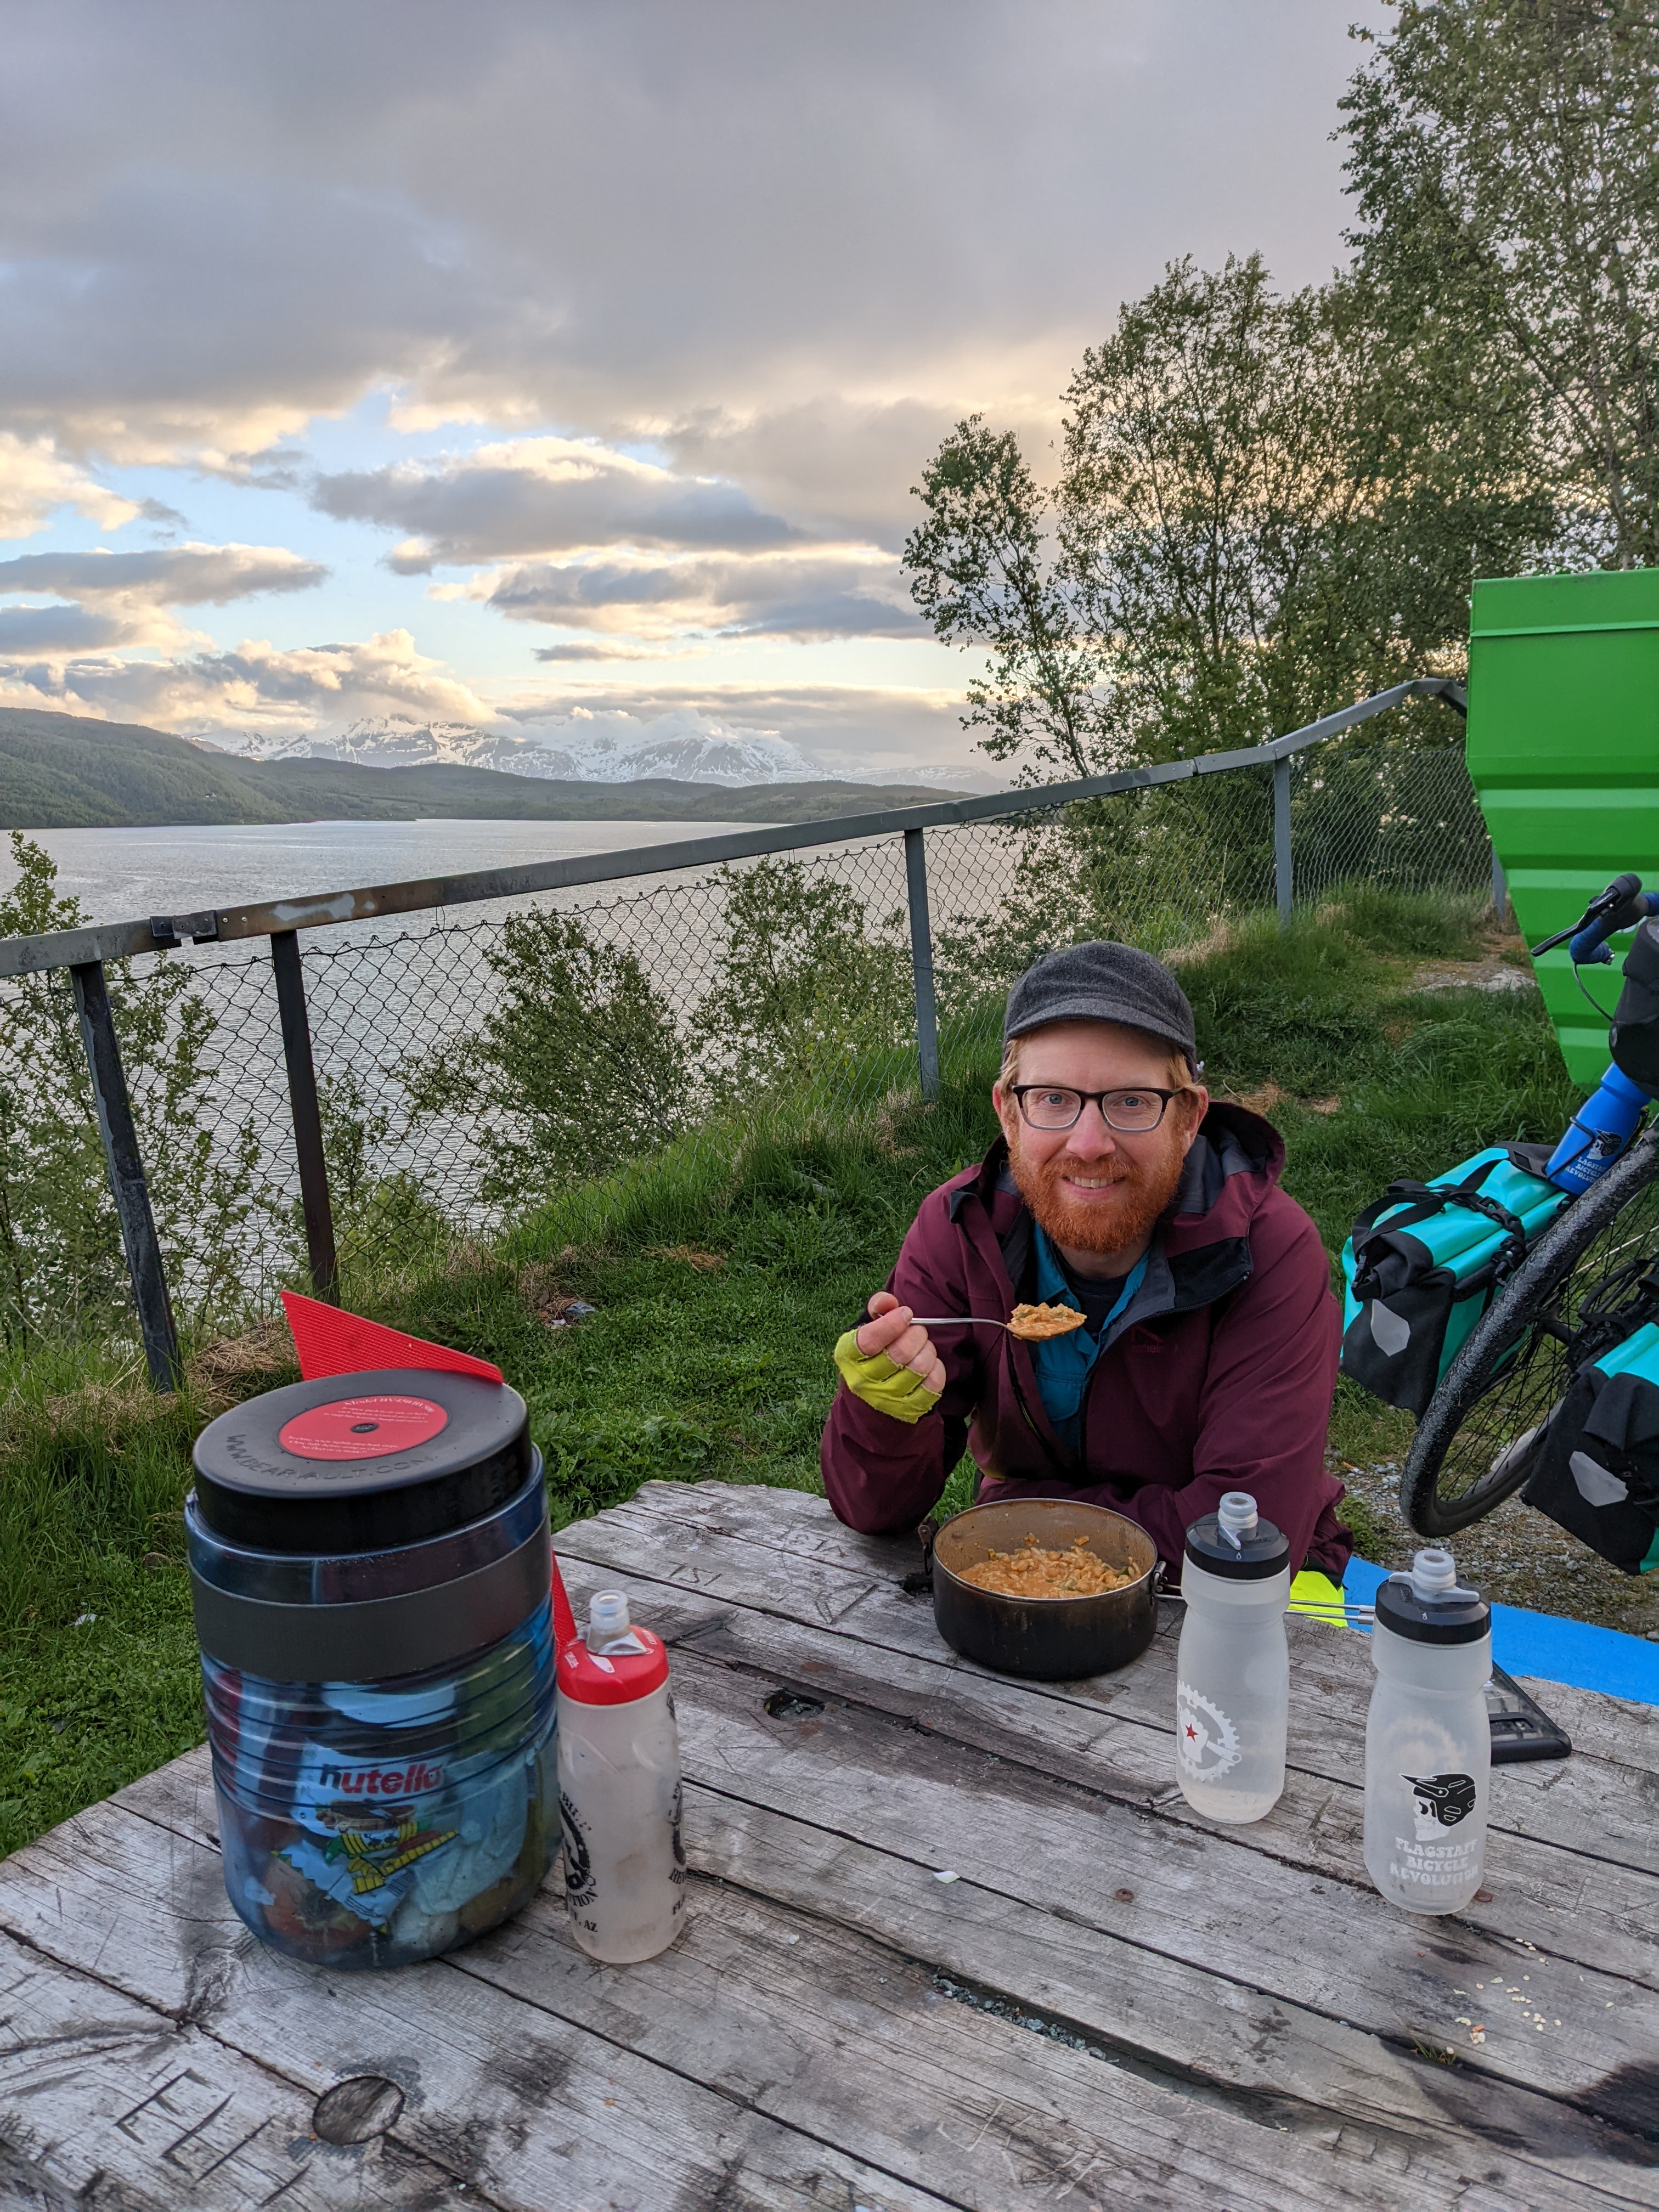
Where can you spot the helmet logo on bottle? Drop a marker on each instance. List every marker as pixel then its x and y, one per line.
pixel 1440 1800
pixel 1206 1741
pixel 579 1883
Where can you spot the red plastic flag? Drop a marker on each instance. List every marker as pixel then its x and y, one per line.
pixel 329 1342
pixel 564 1621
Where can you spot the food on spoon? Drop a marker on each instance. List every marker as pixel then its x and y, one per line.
pixel 1033 1572
pixel 1036 1322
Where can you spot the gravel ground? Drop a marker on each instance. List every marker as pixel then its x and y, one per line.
pixel 1516 1555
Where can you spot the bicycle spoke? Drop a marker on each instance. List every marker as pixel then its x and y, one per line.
pixel 1593 1279
pixel 1531 1384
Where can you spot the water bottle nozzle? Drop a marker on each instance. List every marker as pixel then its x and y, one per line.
pixel 1235 1517
pixel 1433 1573
pixel 1433 1577
pixel 607 1618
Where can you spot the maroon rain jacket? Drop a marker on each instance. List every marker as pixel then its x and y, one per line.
pixel 1217 1376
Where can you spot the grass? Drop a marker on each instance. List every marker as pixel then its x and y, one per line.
pixel 719 1282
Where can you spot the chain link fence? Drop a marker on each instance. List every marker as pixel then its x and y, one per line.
pixel 471 1070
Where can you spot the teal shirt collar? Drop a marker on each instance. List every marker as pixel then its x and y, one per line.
pixel 1064 1364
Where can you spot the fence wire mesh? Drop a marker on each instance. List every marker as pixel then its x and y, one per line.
pixel 1392 816
pixel 471 1070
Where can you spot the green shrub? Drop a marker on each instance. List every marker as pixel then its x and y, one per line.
pixel 803 988
pixel 61 1261
pixel 579 1067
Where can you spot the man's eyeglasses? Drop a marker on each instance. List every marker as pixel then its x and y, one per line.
pixel 1131 1113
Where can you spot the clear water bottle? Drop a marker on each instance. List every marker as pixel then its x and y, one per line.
pixel 1233 1687
pixel 1428 1740
pixel 619 1787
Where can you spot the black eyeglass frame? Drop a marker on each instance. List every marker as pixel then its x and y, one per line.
pixel 1018 1091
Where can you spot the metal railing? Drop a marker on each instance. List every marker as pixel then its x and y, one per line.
pixel 1344 827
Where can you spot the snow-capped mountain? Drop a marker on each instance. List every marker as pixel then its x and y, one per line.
pixel 600 748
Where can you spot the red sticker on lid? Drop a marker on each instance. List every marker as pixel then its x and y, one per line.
pixel 362 1428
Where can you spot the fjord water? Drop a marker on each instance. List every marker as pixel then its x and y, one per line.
pixel 119 875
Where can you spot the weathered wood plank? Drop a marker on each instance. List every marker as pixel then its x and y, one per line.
pixel 1330 1942
pixel 1329 1946
pixel 1619 1729
pixel 1581 1805
pixel 1302 2067
pixel 105 2101
pixel 801 1525
pixel 524 2110
pixel 800 2015
pixel 1262 2002
pixel 785 2018
pixel 1175 2016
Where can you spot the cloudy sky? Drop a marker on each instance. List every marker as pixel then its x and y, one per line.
pixel 512 363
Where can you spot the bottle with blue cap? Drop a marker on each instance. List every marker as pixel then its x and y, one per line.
pixel 1233 1686
pixel 1428 1738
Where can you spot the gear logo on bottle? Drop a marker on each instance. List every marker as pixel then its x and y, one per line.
pixel 1439 1801
pixel 1206 1741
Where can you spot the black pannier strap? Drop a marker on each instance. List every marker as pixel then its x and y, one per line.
pixel 1423 1202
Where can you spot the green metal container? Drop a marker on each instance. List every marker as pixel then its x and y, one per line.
pixel 1563 750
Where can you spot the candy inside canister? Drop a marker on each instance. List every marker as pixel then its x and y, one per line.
pixel 370 1564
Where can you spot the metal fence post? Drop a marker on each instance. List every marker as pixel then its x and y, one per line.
pixel 922 961
pixel 1500 889
pixel 307 1117
pixel 1284 882
pixel 126 1175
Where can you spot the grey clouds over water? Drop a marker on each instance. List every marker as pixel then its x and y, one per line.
pixel 672 301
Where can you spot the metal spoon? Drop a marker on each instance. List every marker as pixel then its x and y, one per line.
pixel 955 1321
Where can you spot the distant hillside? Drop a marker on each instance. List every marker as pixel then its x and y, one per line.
pixel 70 772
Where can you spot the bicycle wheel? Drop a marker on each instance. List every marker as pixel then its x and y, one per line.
pixel 1578 1293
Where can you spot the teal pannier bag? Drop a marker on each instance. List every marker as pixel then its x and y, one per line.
pixel 1425 1261
pixel 1594 1462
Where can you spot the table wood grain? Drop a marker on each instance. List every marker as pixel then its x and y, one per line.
pixel 1114 2003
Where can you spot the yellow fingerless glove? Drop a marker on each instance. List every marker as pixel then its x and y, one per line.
pixel 896 1390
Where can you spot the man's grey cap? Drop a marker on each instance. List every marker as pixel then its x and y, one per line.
pixel 1102 982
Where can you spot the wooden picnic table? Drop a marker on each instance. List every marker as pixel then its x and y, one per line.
pixel 1114 2003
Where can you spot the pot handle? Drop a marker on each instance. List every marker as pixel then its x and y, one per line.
pixel 918 1584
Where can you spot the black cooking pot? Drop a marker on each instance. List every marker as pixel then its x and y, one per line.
pixel 1053 1639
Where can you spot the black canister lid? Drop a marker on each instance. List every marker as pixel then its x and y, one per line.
pixel 1250 1556
pixel 1460 1616
pixel 362 1462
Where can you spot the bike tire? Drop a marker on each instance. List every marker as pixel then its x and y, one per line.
pixel 1514 1366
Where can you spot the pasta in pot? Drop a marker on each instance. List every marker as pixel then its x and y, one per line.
pixel 1034 1572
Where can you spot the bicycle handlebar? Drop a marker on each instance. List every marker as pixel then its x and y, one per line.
pixel 1621 906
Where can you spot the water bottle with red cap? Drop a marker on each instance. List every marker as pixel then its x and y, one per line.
pixel 619 1783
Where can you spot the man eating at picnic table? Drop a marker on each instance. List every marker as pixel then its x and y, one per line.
pixel 1206 1356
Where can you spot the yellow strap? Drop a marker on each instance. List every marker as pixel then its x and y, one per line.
pixel 1314 1592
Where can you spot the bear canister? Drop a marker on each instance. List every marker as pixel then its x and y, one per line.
pixel 369 1566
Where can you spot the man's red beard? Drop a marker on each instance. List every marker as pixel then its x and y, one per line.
pixel 1151 1186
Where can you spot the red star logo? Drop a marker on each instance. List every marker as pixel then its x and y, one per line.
pixel 1191 1732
